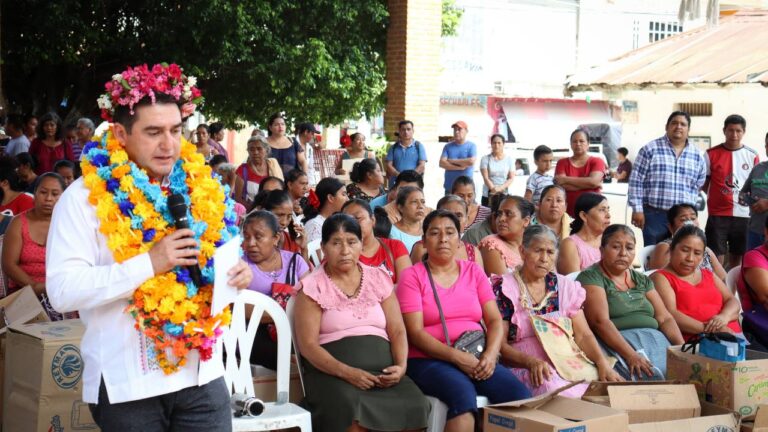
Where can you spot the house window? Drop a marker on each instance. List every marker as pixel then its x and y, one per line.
pixel 702 142
pixel 695 109
pixel 660 30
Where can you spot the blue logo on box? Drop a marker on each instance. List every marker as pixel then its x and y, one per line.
pixel 67 366
pixel 574 429
pixel 501 421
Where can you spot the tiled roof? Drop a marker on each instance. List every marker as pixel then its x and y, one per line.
pixel 735 51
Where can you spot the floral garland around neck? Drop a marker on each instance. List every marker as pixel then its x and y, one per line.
pixel 133 214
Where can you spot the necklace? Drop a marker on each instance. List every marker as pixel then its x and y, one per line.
pixel 357 288
pixel 169 310
pixel 626 289
pixel 525 296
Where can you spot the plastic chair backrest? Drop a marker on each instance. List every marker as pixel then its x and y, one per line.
pixel 314 252
pixel 645 256
pixel 237 340
pixel 289 310
pixel 573 276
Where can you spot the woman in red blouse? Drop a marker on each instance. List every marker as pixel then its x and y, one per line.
pixel 579 173
pixel 50 145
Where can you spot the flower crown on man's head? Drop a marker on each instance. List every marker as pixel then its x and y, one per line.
pixel 135 83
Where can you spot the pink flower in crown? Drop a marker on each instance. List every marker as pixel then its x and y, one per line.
pixel 135 83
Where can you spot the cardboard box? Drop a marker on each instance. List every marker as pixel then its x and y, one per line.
pixel 43 387
pixel 551 412
pixel 713 419
pixel 647 402
pixel 757 422
pixel 739 386
pixel 20 307
pixel 265 384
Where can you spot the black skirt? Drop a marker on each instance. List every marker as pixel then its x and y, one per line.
pixel 335 404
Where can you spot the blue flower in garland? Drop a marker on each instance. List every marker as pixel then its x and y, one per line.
pixel 137 222
pixel 104 172
pixel 148 235
pixel 191 290
pixel 113 185
pixel 173 329
pixel 125 207
pixel 182 275
pixel 89 145
pixel 100 160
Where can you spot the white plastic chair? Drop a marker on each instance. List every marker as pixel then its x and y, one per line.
pixel 314 252
pixel 732 279
pixel 645 256
pixel 239 338
pixel 289 310
pixel 573 276
pixel 439 413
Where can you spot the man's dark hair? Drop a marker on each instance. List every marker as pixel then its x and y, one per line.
pixel 304 127
pixel 16 121
pixel 123 113
pixel 623 150
pixel 402 123
pixel 541 151
pixel 28 118
pixel 735 119
pixel 410 176
pixel 677 114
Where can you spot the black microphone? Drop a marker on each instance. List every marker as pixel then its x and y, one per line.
pixel 178 209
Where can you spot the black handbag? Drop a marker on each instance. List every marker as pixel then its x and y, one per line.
pixel 471 341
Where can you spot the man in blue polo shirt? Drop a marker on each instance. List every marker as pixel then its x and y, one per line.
pixel 458 156
pixel 405 154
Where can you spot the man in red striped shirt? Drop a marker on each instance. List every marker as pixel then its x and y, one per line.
pixel 728 166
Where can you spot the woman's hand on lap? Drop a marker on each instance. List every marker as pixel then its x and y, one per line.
pixel 466 362
pixel 361 379
pixel 485 367
pixel 539 371
pixel 639 366
pixel 715 324
pixel 391 375
pixel 606 373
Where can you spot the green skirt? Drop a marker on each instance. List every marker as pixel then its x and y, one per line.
pixel 335 404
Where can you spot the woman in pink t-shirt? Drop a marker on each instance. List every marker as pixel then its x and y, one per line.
pixel 465 297
pixel 579 173
pixel 582 248
pixel 351 335
pixel 501 251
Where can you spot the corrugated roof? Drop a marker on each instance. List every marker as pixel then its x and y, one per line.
pixel 735 51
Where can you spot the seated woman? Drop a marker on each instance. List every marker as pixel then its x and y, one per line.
pixel 387 254
pixel 582 248
pixel 272 268
pixel 297 184
pixel 753 292
pixel 465 298
pixel 535 290
pixel 356 150
pixel 258 166
pixel 697 300
pixel 351 336
pixel 551 211
pixel 464 188
pixel 678 216
pixel 13 199
pixel 625 311
pixel 23 257
pixel 280 204
pixel 367 181
pixel 501 251
pixel 412 208
pixel 67 170
pixel 466 251
pixel 26 171
pixel 331 196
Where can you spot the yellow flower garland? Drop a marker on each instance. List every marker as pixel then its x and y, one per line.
pixel 174 314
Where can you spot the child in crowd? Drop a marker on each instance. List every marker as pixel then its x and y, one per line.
pixel 542 156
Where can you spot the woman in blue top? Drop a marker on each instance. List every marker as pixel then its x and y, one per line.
pixel 289 153
pixel 410 202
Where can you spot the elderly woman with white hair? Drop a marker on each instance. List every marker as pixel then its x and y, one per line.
pixel 258 167
pixel 547 340
pixel 84 132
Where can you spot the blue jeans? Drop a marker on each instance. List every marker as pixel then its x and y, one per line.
pixel 754 239
pixel 454 388
pixel 204 408
pixel 655 228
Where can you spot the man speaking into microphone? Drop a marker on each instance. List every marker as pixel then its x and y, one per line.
pixel 140 273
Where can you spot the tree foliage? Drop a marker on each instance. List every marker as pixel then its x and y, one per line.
pixel 317 60
pixel 451 18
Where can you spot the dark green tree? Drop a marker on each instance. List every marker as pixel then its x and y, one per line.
pixel 317 60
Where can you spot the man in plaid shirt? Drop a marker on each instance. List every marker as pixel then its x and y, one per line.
pixel 667 171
